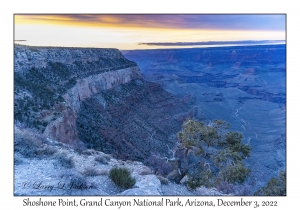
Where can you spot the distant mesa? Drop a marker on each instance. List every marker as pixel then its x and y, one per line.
pixel 245 42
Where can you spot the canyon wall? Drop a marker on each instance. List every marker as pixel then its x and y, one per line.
pixel 93 70
pixel 26 57
pixel 96 98
pixel 64 128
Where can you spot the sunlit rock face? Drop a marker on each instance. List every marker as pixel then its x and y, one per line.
pixel 27 57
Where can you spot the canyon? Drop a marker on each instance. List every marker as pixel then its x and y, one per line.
pixel 131 104
pixel 95 98
pixel 243 85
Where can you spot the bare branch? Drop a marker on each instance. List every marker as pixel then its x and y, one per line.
pixel 173 151
pixel 207 164
pixel 161 158
pixel 179 171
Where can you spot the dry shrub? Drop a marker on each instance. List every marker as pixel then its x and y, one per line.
pixel 163 180
pixel 18 160
pixel 159 166
pixel 65 160
pixel 227 188
pixel 244 190
pixel 27 143
pixel 103 172
pixel 47 150
pixel 146 171
pixel 88 152
pixel 79 147
pixel 91 171
pixel 240 190
pixel 104 159
pixel 31 144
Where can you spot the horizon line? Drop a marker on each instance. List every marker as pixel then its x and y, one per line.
pixel 213 43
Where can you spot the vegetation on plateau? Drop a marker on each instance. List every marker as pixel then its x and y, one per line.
pixel 40 89
pixel 275 187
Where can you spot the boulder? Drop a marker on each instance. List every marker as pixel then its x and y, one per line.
pixel 145 185
pixel 147 181
pixel 142 191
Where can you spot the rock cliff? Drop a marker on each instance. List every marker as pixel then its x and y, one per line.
pixel 132 120
pixel 51 82
pixel 96 97
pixel 243 85
pixel 64 128
pixel 27 57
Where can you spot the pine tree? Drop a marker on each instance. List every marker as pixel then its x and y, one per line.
pixel 217 154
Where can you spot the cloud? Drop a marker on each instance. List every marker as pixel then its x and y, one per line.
pixel 181 21
pixel 246 42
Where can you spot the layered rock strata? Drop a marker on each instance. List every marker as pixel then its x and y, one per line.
pixel 95 96
pixel 51 82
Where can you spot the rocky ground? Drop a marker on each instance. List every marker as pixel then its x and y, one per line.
pixel 46 167
pixel 56 169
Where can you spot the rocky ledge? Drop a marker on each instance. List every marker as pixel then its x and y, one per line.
pixel 72 103
pixel 46 167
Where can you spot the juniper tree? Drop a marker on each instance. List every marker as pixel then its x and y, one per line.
pixel 275 186
pixel 217 154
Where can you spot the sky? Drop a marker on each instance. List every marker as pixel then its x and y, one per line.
pixel 10 8
pixel 136 31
